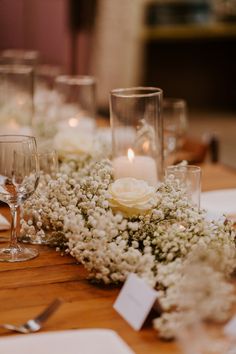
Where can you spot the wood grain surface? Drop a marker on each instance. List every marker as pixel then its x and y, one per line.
pixel 26 287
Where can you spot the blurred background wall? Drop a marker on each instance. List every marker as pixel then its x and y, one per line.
pixel 186 47
pixel 37 24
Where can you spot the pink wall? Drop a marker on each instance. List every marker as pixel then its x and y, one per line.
pixel 11 24
pixel 37 24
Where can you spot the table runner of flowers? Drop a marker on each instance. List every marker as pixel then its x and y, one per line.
pixel 155 233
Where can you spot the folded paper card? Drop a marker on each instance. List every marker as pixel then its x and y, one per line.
pixel 85 341
pixel 135 301
pixel 4 223
pixel 219 202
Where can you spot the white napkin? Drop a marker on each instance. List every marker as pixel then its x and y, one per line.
pixel 4 223
pixel 85 341
pixel 219 202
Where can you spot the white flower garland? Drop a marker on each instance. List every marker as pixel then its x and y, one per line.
pixel 172 246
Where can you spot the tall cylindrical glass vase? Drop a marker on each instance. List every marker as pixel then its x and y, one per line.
pixel 137 133
pixel 78 102
pixel 16 99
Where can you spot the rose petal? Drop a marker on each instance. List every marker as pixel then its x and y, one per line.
pixel 132 196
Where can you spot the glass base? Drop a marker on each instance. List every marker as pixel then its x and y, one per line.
pixel 50 238
pixel 34 241
pixel 17 254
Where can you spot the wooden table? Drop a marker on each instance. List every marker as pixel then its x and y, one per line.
pixel 26 287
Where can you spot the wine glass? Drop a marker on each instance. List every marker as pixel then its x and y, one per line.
pixel 175 124
pixel 20 56
pixel 189 177
pixel 48 167
pixel 19 175
pixel 47 158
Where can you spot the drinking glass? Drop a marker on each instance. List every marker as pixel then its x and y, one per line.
pixel 48 162
pixel 189 177
pixel 77 107
pixel 20 56
pixel 16 99
pixel 45 76
pixel 19 177
pixel 47 101
pixel 137 133
pixel 48 168
pixel 174 111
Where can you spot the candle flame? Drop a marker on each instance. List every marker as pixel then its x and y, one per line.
pixel 130 155
pixel 73 122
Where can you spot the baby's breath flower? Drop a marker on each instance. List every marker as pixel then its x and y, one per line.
pixel 166 241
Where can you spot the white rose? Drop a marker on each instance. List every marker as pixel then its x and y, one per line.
pixel 73 142
pixel 132 196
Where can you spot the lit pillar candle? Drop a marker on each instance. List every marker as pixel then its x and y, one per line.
pixel 139 167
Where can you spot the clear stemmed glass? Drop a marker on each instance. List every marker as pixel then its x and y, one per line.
pixel 174 111
pixel 19 175
pixel 189 177
pixel 48 166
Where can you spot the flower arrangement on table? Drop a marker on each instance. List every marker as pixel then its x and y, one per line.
pixel 116 224
pixel 117 227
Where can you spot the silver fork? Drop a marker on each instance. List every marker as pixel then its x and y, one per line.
pixel 35 324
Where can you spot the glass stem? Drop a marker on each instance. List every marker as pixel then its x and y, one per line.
pixel 14 214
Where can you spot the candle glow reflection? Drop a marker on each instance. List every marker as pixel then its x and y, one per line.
pixel 130 155
pixel 73 122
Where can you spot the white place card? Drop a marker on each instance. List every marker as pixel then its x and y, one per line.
pixel 135 301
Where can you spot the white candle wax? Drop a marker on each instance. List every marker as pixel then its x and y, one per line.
pixel 141 167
